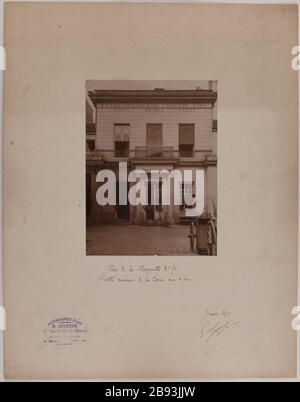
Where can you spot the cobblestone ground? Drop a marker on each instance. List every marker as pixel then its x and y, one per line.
pixel 125 239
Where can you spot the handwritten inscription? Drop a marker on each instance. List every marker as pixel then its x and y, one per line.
pixel 214 324
pixel 143 274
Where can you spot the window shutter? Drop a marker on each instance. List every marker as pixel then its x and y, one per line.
pixel 154 135
pixel 186 134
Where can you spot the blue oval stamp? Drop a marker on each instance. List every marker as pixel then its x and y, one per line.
pixel 65 331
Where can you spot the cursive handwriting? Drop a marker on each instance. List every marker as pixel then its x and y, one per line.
pixel 143 274
pixel 214 324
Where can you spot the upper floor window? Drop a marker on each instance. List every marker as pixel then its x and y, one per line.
pixel 154 140
pixel 121 139
pixel 186 140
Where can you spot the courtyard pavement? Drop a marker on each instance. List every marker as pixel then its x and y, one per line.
pixel 126 239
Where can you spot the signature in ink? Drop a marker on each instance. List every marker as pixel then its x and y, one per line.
pixel 214 324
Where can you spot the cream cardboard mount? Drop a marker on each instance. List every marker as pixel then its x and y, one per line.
pixel 167 316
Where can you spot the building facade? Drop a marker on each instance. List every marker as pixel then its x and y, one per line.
pixel 151 129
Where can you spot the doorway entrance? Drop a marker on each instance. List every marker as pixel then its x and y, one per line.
pixel 150 208
pixel 123 212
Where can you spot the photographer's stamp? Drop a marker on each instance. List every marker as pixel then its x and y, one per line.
pixel 65 331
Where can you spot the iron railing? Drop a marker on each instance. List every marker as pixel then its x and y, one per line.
pixel 154 152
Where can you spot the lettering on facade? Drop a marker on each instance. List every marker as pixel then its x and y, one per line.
pixel 155 106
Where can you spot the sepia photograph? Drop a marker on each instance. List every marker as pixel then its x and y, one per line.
pixel 151 167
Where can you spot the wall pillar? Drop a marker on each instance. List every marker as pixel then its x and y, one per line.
pixel 171 218
pixel 96 210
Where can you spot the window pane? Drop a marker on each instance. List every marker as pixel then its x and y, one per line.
pixel 121 149
pixel 121 132
pixel 186 150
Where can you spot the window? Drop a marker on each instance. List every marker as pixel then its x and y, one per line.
pixel 186 140
pixel 121 149
pixel 121 139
